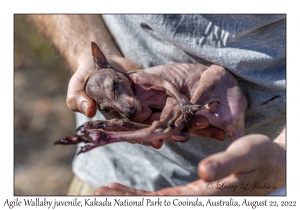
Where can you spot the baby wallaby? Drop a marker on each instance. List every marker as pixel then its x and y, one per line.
pixel 177 90
pixel 131 94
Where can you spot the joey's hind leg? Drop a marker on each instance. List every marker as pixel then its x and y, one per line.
pixel 150 136
pixel 144 134
pixel 170 112
pixel 93 133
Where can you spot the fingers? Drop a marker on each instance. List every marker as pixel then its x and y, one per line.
pixel 199 126
pixel 194 188
pixel 199 121
pixel 108 191
pixel 77 100
pixel 210 133
pixel 245 168
pixel 125 189
pixel 118 189
pixel 157 144
pixel 242 156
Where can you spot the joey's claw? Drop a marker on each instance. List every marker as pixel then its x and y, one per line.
pixel 184 117
pixel 86 148
pixel 97 124
pixel 81 126
pixel 79 152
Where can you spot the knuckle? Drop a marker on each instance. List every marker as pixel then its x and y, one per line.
pixel 71 102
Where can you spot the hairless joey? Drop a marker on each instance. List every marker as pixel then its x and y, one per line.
pixel 179 91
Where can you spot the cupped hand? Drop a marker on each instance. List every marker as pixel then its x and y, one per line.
pixel 224 101
pixel 252 165
pixel 214 89
pixel 77 99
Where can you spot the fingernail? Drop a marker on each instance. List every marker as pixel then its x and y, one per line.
pixel 220 136
pixel 84 106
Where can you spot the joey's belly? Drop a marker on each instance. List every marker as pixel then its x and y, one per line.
pixel 155 99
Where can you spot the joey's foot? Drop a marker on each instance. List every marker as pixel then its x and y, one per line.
pixel 190 109
pixel 74 139
pixel 94 138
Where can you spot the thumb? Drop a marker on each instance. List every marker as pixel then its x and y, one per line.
pixel 242 156
pixel 77 100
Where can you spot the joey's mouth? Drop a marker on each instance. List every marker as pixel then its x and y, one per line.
pixel 132 113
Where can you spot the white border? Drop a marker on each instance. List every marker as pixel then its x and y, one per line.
pixel 8 9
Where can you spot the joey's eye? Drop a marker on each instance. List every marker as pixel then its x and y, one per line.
pixel 115 85
pixel 103 110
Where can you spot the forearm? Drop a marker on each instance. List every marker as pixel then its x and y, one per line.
pixel 72 36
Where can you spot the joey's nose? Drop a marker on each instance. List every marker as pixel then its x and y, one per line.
pixel 130 112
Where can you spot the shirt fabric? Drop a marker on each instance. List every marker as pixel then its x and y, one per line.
pixel 251 47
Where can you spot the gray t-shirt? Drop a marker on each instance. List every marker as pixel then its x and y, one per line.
pixel 252 47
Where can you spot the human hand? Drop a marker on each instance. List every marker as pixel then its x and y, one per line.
pixel 248 167
pixel 77 99
pixel 223 102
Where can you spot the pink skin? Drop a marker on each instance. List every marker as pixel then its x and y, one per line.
pixel 190 89
pixel 225 102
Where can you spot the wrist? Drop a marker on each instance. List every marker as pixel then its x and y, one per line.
pixel 76 59
pixel 118 62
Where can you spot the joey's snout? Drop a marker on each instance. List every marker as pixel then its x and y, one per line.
pixel 130 112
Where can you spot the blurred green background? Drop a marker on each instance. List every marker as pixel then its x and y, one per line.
pixel 41 115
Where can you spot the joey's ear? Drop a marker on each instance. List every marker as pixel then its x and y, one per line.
pixel 98 57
